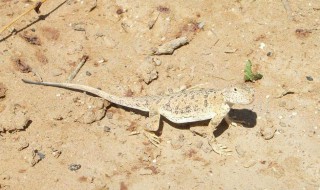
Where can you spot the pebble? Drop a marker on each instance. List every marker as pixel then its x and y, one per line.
pixel 106 129
pixel 88 73
pixel 147 71
pixel 201 25
pixel 282 124
pixel 56 72
pixel 101 60
pixel 156 61
pixel 269 54
pixel 249 163
pixel 109 115
pixel 267 132
pixel 78 26
pixel 74 167
pixel 309 78
pixel 262 45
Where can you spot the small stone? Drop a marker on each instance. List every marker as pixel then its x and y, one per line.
pixel 201 25
pixel 109 115
pixel 262 45
pixel 56 153
pixel 106 129
pixel 311 133
pixel 56 72
pixel 282 124
pixel 74 167
pixel 269 54
pixel 36 157
pixel 309 78
pixel 78 26
pixel 156 61
pixel 267 132
pixel 101 60
pixel 147 71
pixel 88 73
pixel 3 90
pixel 249 163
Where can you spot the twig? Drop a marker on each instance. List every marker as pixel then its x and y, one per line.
pixel 75 72
pixel 35 7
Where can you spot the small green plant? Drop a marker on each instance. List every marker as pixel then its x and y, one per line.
pixel 249 75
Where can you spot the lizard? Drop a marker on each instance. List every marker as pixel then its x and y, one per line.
pixel 186 106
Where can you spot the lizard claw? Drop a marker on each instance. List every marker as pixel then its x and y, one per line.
pixel 154 139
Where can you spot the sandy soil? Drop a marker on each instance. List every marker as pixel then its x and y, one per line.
pixel 60 139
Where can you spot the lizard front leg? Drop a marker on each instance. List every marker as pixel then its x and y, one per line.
pixel 153 122
pixel 216 147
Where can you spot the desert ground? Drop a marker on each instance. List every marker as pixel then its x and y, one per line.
pixel 54 138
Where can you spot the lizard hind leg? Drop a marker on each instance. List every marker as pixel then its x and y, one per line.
pixel 207 133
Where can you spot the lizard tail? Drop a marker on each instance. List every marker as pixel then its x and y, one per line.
pixel 111 98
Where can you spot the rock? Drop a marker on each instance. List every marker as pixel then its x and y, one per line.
pixel 56 72
pixel 88 73
pixel 74 167
pixel 282 124
pixel 309 78
pixel 248 163
pixel 78 26
pixel 106 129
pixel 14 119
pixel 109 115
pixel 3 90
pixel 156 61
pixel 147 71
pixel 267 132
pixel 36 157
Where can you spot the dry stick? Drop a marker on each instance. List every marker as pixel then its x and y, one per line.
pixel 76 71
pixel 35 7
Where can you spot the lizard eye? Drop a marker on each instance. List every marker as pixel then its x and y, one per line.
pixel 235 89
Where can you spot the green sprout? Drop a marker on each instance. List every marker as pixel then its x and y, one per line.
pixel 249 75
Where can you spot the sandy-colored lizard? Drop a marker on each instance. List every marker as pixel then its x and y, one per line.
pixel 182 107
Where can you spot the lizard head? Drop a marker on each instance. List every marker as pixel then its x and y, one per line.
pixel 238 95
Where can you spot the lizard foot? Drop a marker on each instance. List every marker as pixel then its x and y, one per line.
pixel 153 138
pixel 220 149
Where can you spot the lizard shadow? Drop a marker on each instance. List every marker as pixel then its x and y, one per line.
pixel 245 117
pixel 40 18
